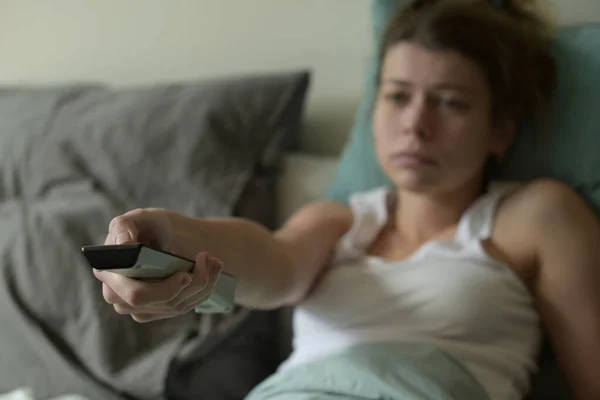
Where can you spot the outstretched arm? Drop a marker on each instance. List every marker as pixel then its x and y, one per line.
pixel 272 269
pixel 567 241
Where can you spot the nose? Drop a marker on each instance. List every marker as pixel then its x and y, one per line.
pixel 416 118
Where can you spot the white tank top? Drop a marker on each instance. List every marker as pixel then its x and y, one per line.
pixel 450 294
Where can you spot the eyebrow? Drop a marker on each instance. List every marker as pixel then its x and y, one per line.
pixel 439 85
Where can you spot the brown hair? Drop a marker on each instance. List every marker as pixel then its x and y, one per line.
pixel 511 44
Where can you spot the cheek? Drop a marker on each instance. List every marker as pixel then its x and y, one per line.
pixel 383 125
pixel 468 145
pixel 469 131
pixel 381 136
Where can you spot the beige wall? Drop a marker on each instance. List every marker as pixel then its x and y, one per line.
pixel 139 41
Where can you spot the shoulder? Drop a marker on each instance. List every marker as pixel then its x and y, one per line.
pixel 370 201
pixel 537 215
pixel 543 201
pixel 367 209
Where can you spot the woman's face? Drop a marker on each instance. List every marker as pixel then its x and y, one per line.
pixel 433 125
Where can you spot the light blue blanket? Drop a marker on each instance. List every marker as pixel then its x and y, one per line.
pixel 375 372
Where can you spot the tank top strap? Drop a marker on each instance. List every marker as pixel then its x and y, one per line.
pixel 477 223
pixel 370 213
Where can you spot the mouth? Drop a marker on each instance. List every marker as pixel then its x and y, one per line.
pixel 412 159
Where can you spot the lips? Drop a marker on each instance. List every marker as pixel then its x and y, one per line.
pixel 412 159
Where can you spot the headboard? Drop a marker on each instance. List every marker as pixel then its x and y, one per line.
pixel 142 41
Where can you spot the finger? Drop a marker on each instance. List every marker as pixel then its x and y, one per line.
pixel 138 293
pixel 191 303
pixel 204 276
pixel 178 305
pixel 200 278
pixel 145 318
pixel 126 309
pixel 206 269
pixel 213 270
pixel 150 226
pixel 149 314
pixel 122 229
pixel 167 312
pixel 201 271
pixel 96 274
pixel 183 304
pixel 110 296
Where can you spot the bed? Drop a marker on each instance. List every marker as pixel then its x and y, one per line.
pixel 99 115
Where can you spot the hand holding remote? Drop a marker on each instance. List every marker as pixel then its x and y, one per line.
pixel 147 301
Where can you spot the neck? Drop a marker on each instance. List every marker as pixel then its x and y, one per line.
pixel 421 217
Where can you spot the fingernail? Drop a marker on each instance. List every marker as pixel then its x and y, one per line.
pixel 186 280
pixel 216 265
pixel 122 237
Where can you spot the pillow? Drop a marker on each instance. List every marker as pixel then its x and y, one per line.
pixel 171 145
pixel 358 169
pixel 72 157
pixel 562 143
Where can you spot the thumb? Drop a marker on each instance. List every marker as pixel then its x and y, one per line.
pixel 121 230
pixel 123 237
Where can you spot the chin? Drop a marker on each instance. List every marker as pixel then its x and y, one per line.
pixel 416 184
pixel 417 179
pixel 428 183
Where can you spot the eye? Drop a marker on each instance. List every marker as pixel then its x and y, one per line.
pixel 450 102
pixel 456 104
pixel 398 98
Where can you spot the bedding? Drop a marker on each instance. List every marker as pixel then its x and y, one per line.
pixel 74 156
pixel 382 371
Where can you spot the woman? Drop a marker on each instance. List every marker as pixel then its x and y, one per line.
pixel 444 265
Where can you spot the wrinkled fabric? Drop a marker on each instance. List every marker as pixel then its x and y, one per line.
pixel 375 372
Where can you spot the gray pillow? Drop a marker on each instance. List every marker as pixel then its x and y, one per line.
pixel 189 147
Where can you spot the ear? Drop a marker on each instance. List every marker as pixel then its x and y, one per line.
pixel 503 136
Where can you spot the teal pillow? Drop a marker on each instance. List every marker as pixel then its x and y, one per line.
pixel 359 169
pixel 564 143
